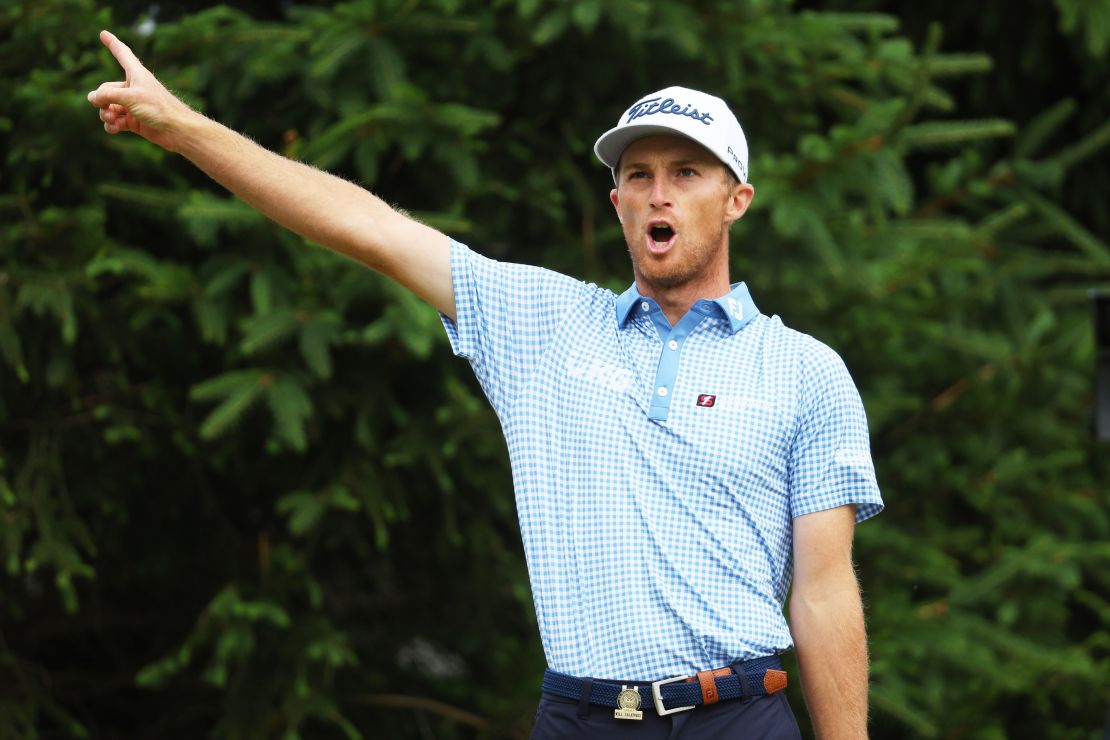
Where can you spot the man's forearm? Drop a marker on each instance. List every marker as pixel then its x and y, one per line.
pixel 315 204
pixel 831 644
pixel 301 198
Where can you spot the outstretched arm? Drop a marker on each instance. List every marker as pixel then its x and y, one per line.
pixel 826 620
pixel 320 207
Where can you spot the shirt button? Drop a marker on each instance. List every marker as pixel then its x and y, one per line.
pixel 662 390
pixel 672 344
pixel 644 306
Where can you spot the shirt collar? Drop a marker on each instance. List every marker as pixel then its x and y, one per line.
pixel 737 306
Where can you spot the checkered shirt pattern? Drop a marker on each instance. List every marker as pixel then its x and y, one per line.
pixel 657 469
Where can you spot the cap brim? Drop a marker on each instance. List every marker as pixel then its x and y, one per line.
pixel 611 145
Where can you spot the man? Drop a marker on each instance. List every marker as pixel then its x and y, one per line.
pixel 676 454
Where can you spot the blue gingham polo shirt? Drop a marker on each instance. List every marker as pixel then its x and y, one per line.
pixel 657 469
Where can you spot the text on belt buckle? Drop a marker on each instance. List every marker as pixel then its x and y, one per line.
pixel 657 697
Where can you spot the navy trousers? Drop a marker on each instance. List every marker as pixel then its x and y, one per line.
pixel 757 718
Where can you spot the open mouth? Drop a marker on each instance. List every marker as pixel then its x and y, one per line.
pixel 660 237
pixel 661 234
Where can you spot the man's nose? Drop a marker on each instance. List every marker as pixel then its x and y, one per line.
pixel 660 192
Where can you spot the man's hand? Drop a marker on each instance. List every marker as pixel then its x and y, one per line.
pixel 140 104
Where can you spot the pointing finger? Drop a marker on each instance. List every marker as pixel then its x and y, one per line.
pixel 122 52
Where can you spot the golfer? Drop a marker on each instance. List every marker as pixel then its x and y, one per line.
pixel 681 460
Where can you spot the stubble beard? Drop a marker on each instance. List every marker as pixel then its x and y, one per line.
pixel 696 259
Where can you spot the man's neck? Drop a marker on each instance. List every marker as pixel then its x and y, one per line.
pixel 676 302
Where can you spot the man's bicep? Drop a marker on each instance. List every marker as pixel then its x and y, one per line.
pixel 418 257
pixel 823 547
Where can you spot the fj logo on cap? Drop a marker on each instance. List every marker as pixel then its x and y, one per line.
pixel 651 106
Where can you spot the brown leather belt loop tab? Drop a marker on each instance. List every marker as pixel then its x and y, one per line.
pixel 774 680
pixel 708 681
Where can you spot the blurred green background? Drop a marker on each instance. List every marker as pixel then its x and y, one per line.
pixel 246 491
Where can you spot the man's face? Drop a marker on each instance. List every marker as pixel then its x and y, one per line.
pixel 676 201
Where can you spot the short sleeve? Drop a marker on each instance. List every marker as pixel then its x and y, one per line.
pixel 505 317
pixel 830 462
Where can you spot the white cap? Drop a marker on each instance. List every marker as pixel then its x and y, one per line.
pixel 679 110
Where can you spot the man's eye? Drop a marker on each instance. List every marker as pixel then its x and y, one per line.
pixel 687 172
pixel 637 175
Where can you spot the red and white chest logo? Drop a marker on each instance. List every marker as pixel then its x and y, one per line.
pixel 707 400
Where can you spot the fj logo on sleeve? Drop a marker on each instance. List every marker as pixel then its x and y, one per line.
pixel 707 400
pixel 850 457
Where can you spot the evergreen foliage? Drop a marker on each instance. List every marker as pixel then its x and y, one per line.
pixel 246 491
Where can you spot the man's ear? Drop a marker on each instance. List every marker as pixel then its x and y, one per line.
pixel 616 203
pixel 740 197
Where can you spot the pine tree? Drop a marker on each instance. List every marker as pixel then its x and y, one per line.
pixel 247 491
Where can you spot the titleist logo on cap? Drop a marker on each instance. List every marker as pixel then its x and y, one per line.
pixel 651 106
pixel 680 111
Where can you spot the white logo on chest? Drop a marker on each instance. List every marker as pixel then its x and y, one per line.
pixel 614 377
pixel 731 403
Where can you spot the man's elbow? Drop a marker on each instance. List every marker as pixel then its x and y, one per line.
pixel 830 600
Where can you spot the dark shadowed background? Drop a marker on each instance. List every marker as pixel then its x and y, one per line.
pixel 246 491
